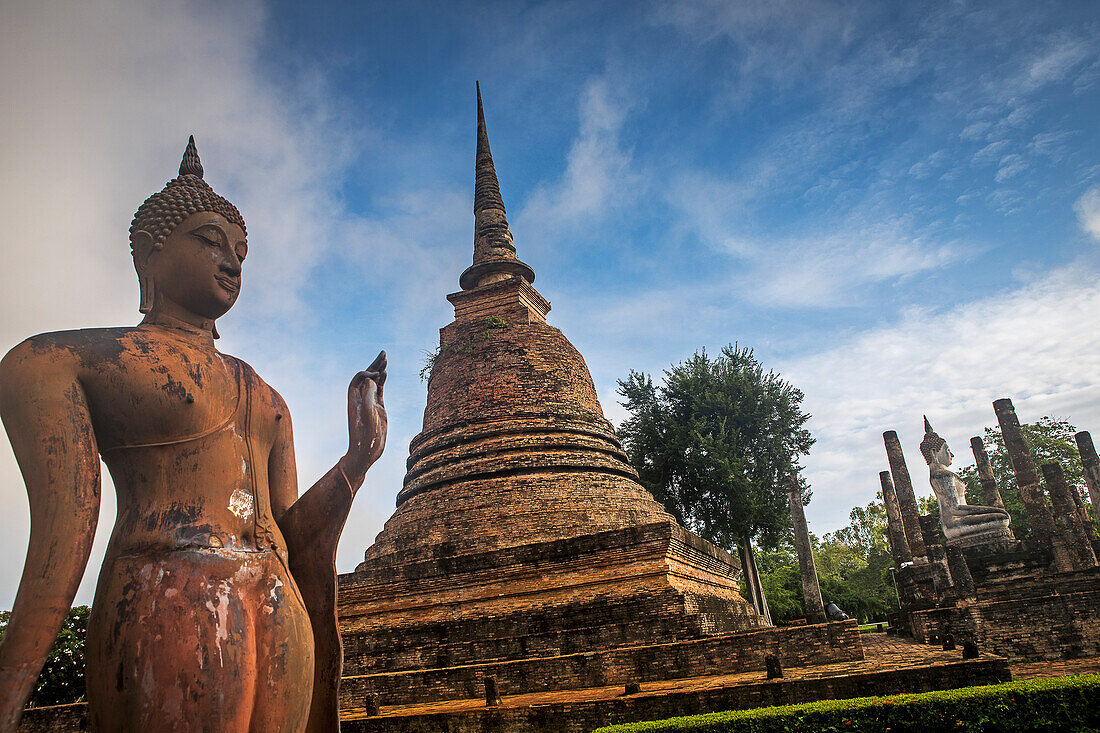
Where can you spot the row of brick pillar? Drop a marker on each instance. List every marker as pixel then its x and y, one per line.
pixel 1065 533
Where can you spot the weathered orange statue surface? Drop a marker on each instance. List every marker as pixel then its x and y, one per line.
pixel 215 608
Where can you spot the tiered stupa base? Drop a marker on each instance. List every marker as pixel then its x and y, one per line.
pixel 648 584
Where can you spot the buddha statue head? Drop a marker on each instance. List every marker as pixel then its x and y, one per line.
pixel 188 244
pixel 934 448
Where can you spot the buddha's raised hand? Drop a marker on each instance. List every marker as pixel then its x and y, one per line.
pixel 367 421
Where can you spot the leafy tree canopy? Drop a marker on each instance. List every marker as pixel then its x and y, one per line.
pixel 62 678
pixel 1050 439
pixel 716 442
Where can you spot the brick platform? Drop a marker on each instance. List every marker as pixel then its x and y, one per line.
pixel 1024 609
pixel 796 646
pixel 892 666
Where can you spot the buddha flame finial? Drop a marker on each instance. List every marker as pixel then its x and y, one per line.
pixel 190 163
pixel 494 253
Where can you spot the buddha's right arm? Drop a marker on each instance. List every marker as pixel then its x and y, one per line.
pixel 45 413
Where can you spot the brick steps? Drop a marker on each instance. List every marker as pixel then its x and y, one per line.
pixel 1039 585
pixel 647 584
pixel 796 646
pixel 916 668
pixel 891 666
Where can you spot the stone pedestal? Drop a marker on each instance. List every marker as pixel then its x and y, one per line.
pixel 1027 478
pixel 811 591
pixel 907 499
pixel 899 546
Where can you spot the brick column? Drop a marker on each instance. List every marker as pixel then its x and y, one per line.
pixel 960 573
pixel 1091 465
pixel 934 544
pixel 895 530
pixel 1027 478
pixel 990 493
pixel 907 500
pixel 811 591
pixel 1072 549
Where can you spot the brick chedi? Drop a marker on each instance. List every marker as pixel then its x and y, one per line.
pixel 521 529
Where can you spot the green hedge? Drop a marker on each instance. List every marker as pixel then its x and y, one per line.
pixel 1058 704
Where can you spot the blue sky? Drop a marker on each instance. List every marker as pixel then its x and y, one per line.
pixel 896 204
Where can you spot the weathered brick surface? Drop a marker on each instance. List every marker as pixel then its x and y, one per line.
pixel 891 666
pixel 642 585
pixel 55 719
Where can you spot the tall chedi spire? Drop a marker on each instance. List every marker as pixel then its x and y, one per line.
pixel 494 253
pixel 521 529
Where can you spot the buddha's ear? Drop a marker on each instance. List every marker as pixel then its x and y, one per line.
pixel 143 246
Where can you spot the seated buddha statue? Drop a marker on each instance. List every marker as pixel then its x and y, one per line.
pixel 215 605
pixel 962 523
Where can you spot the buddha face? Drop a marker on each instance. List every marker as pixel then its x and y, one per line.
pixel 944 455
pixel 198 266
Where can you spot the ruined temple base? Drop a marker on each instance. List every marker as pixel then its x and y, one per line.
pixel 1023 609
pixel 890 666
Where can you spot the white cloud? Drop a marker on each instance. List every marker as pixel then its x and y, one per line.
pixel 822 267
pixel 1088 212
pixel 1051 144
pixel 827 270
pixel 949 364
pixel 991 152
pixel 597 176
pixel 772 44
pixel 1055 62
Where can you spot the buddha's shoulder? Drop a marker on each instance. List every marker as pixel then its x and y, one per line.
pixel 85 344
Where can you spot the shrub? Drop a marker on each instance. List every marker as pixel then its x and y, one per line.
pixel 1062 704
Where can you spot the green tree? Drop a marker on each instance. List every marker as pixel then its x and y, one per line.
pixel 853 569
pixel 716 442
pixel 62 677
pixel 1050 439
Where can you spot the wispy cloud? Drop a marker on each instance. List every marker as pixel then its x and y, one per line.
pixel 598 176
